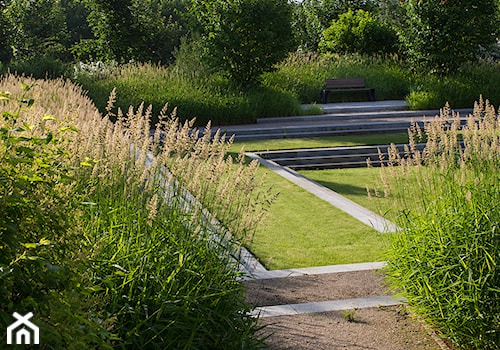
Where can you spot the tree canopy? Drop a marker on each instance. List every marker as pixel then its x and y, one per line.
pixel 245 37
pixel 443 34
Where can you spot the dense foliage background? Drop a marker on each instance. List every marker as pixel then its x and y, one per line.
pixel 247 37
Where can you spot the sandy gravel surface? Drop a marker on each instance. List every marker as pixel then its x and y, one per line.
pixel 387 328
pixel 313 288
pixel 381 328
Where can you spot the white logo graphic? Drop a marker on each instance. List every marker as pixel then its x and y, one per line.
pixel 23 336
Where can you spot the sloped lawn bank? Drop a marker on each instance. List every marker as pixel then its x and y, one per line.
pixel 99 244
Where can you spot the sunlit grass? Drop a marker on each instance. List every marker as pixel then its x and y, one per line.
pixel 320 142
pixel 302 230
pixel 354 183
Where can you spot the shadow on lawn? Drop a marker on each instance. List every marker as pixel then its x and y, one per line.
pixel 343 189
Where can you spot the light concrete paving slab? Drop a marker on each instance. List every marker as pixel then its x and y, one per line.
pixel 261 273
pixel 355 107
pixel 346 205
pixel 325 306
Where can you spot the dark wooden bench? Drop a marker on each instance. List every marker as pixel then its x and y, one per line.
pixel 346 85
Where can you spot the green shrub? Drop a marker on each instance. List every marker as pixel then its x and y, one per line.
pixel 421 100
pixel 312 17
pixel 40 67
pixel 359 32
pixel 445 257
pixel 41 267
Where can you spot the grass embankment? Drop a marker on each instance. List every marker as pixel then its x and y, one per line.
pixel 103 245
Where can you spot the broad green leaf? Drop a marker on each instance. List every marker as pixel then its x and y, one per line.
pixel 24 86
pixel 35 178
pixel 69 128
pixel 27 126
pixel 44 241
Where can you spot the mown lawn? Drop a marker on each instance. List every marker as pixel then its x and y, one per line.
pixel 302 230
pixel 352 183
pixel 320 142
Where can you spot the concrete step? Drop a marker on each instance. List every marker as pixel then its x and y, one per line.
pixel 336 165
pixel 350 116
pixel 326 159
pixel 335 157
pixel 295 131
pixel 320 133
pixel 359 107
pixel 332 158
pixel 359 115
pixel 327 152
pixel 301 130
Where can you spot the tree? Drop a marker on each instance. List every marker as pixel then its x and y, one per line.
pixel 5 51
pixel 117 32
pixel 307 26
pixel 36 28
pixel 164 23
pixel 312 17
pixel 441 35
pixel 245 37
pixel 359 32
pixel 142 30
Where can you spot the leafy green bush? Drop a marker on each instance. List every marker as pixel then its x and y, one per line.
pixel 41 268
pixel 36 28
pixel 442 35
pixel 445 257
pixel 359 32
pixel 312 17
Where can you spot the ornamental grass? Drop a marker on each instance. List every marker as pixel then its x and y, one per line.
pixel 445 257
pixel 127 237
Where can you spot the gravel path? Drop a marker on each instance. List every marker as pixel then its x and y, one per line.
pixel 383 328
